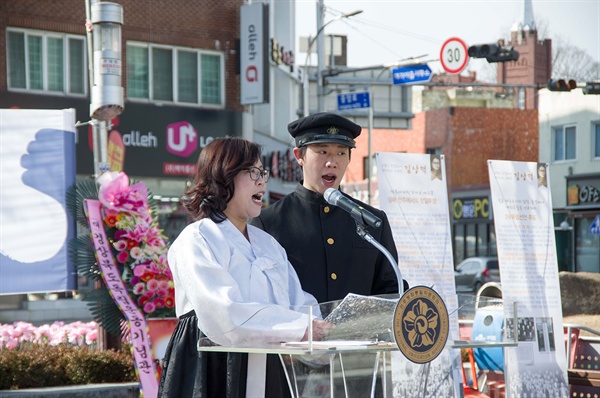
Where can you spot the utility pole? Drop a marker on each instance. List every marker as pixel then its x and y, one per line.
pixel 103 27
pixel 320 54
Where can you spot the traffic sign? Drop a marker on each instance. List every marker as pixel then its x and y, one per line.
pixel 353 101
pixel 411 74
pixel 595 226
pixel 454 55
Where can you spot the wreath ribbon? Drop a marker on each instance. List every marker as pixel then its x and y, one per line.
pixel 142 352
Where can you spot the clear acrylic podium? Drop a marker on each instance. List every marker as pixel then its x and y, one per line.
pixel 355 359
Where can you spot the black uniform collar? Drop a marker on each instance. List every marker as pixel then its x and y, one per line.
pixel 308 195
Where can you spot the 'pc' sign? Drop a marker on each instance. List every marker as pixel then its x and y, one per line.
pixel 182 139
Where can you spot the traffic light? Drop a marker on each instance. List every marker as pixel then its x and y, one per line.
pixel 493 52
pixel 562 85
pixel 591 88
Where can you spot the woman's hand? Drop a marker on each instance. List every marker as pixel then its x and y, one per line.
pixel 320 329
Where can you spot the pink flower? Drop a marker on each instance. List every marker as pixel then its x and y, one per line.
pixel 159 303
pixel 136 253
pixel 123 257
pixel 153 284
pixel 163 285
pixel 116 193
pixel 91 336
pixel 12 343
pixel 120 245
pixel 149 307
pixel 139 288
pixel 140 269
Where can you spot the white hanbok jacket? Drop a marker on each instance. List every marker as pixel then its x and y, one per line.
pixel 243 292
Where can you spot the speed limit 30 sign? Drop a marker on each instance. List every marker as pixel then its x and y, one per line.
pixel 454 55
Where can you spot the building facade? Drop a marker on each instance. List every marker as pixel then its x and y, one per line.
pixel 180 75
pixel 570 144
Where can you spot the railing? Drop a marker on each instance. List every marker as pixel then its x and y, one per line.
pixel 569 333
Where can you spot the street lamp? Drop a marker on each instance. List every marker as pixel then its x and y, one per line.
pixel 103 25
pixel 312 40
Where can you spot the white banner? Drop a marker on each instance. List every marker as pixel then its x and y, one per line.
pixel 529 274
pixel 413 193
pixel 37 165
pixel 254 66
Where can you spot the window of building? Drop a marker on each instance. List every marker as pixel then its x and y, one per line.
pixel 173 74
pixel 47 62
pixel 596 138
pixel 564 141
pixel 433 151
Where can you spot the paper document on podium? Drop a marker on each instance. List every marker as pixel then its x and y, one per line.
pixel 362 318
pixel 333 344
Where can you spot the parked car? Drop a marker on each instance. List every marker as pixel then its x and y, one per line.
pixel 473 272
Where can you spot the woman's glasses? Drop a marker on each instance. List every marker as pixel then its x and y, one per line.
pixel 256 173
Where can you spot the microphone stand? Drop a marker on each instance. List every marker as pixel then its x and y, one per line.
pixel 361 230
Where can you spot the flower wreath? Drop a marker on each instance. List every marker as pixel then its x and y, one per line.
pixel 137 244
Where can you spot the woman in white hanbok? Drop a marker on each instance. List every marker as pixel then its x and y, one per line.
pixel 233 284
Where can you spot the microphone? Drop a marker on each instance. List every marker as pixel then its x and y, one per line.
pixel 359 213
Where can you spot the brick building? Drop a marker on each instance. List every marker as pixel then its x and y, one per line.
pixel 46 67
pixel 180 76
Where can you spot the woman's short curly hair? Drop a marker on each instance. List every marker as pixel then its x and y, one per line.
pixel 213 186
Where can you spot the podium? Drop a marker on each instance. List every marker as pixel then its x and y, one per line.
pixel 361 356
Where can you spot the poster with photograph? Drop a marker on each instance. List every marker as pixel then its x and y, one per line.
pixel 413 193
pixel 529 276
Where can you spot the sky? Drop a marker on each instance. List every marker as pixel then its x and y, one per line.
pixel 391 30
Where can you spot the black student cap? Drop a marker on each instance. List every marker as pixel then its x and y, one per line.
pixel 324 127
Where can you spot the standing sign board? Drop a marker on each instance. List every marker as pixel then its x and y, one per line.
pixel 529 275
pixel 411 74
pixel 454 55
pixel 413 193
pixel 353 101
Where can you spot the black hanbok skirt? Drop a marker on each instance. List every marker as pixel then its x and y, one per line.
pixel 188 373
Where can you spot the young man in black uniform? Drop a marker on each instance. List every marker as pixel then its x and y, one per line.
pixel 321 242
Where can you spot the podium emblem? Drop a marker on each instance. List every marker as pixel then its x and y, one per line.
pixel 421 324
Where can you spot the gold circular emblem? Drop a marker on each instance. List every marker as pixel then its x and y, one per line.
pixel 421 324
pixel 333 130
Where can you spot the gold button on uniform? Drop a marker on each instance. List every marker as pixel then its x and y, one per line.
pixel 326 209
pixel 333 276
pixel 330 241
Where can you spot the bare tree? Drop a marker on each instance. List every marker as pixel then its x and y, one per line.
pixel 571 62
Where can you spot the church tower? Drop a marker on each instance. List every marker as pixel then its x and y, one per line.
pixel 534 65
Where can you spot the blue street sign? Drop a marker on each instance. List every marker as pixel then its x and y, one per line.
pixel 595 226
pixel 353 101
pixel 411 74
